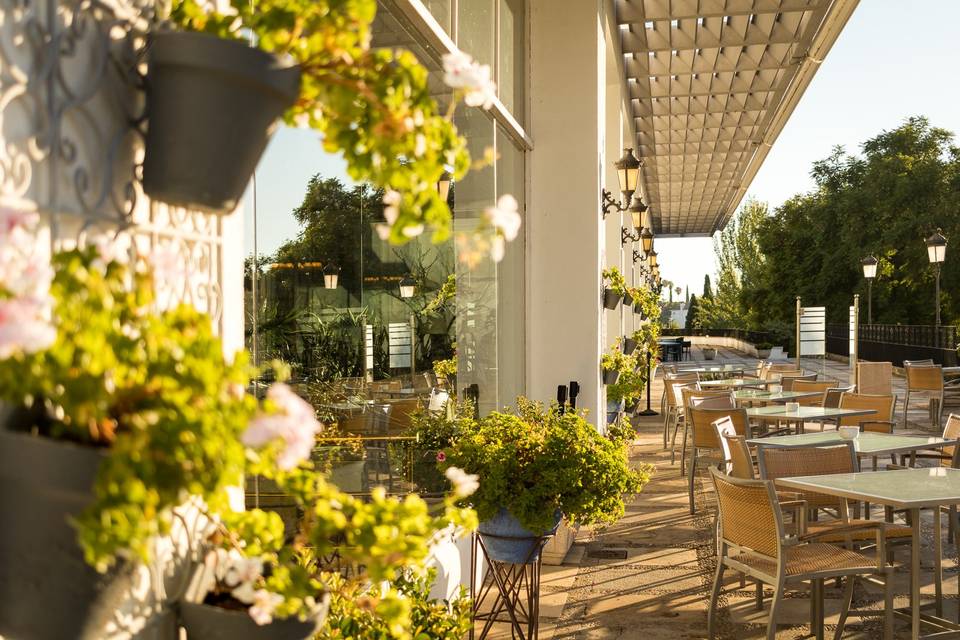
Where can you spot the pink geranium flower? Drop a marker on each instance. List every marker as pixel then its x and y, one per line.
pixel 293 422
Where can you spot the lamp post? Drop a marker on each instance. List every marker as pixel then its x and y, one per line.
pixel 869 265
pixel 408 286
pixel 936 251
pixel 628 172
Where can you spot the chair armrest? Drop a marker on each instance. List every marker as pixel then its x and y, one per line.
pixel 844 528
pixel 887 425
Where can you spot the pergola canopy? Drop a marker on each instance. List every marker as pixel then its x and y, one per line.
pixel 711 84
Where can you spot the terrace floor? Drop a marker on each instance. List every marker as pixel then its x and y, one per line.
pixel 649 575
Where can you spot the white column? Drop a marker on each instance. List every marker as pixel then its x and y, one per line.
pixel 565 232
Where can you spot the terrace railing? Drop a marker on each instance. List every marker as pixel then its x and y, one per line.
pixel 897 342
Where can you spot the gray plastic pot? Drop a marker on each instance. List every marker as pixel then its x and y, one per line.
pixel 206 622
pixel 638 308
pixel 506 540
pixel 212 106
pixel 47 591
pixel 610 376
pixel 629 346
pixel 611 299
pixel 627 300
pixel 614 408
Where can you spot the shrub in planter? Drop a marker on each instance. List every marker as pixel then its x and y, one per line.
pixel 616 290
pixel 709 353
pixel 536 466
pixel 372 106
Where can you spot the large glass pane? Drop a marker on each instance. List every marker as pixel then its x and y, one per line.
pixel 510 278
pixel 511 64
pixel 476 28
pixel 441 11
pixel 476 286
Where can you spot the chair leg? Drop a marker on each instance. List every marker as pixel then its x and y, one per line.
pixel 888 605
pixel 758 596
pixel 666 427
pixel 774 610
pixel 692 473
pixel 816 608
pixel 906 407
pixel 939 411
pixel 845 607
pixel 683 449
pixel 714 596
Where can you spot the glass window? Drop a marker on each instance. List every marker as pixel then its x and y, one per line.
pixel 476 29
pixel 511 64
pixel 441 11
pixel 511 293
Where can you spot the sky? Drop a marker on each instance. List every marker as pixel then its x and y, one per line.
pixel 894 59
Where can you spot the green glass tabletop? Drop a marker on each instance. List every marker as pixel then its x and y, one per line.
pixel 901 489
pixel 867 444
pixel 771 396
pixel 713 369
pixel 734 382
pixel 780 412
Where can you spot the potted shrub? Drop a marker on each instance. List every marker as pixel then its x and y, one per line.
pixel 615 290
pixel 709 353
pixel 536 466
pixel 97 388
pixel 213 101
pixel 763 350
pixel 614 363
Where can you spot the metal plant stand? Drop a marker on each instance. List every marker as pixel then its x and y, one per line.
pixel 513 588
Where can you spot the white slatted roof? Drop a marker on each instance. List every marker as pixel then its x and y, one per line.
pixel 711 84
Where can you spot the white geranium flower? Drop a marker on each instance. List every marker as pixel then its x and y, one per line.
pixel 464 484
pixel 294 422
pixel 264 604
pixel 462 72
pixel 505 217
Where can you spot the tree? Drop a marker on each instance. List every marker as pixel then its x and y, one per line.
pixel 707 290
pixel 692 310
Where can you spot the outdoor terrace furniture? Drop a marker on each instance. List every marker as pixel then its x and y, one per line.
pixel 831 397
pixel 763 396
pixel 909 490
pixel 736 454
pixel 673 412
pixel 818 387
pixel 779 413
pixel 732 383
pixel 770 369
pixel 704 442
pixel 754 541
pixel 925 380
pixel 694 397
pixel 882 406
pixel 787 380
pixel 866 444
pixel 875 377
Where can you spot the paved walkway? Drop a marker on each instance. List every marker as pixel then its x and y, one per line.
pixel 649 575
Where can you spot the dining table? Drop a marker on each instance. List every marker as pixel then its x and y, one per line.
pixel 865 444
pixel 765 396
pixel 910 490
pixel 802 414
pixel 735 383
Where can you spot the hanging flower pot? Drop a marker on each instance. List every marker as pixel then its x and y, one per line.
pixel 611 299
pixel 506 540
pixel 208 622
pixel 212 105
pixel 43 483
pixel 610 376
pixel 627 300
pixel 638 308
pixel 614 409
pixel 629 346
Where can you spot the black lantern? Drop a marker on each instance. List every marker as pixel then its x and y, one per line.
pixel 869 266
pixel 646 241
pixel 331 274
pixel 628 175
pixel 936 252
pixel 443 186
pixel 408 287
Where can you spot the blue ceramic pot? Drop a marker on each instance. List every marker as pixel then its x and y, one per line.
pixel 506 540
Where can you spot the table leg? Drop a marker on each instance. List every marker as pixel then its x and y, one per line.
pixel 937 563
pixel 915 573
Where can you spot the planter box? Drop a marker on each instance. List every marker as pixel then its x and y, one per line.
pixel 556 550
pixel 506 540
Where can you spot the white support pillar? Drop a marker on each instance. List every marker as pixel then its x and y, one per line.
pixel 565 231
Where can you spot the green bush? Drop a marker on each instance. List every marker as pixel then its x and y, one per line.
pixel 538 460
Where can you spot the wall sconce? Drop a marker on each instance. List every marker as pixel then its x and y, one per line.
pixel 652 257
pixel 646 240
pixel 331 274
pixel 628 172
pixel 636 210
pixel 408 287
pixel 638 256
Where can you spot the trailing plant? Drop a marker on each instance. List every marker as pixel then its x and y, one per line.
pixel 649 303
pixel 373 106
pixel 616 360
pixel 431 432
pixel 615 280
pixel 352 613
pixel 538 460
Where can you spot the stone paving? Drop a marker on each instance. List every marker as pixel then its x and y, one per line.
pixel 649 575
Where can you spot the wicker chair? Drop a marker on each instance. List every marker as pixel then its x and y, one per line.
pixel 818 386
pixel 692 396
pixel 787 462
pixel 879 422
pixel 753 540
pixel 832 396
pixel 772 371
pixel 705 445
pixel 787 380
pixel 673 408
pixel 926 380
pixel 736 453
